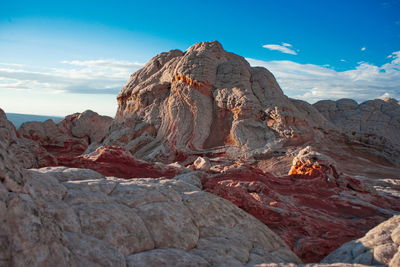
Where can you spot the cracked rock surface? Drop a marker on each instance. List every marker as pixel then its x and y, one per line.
pixel 380 246
pixel 64 216
pixel 374 123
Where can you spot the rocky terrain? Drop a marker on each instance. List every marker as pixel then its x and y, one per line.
pixel 207 163
pixel 380 246
pixel 73 217
pixel 315 209
pixel 69 137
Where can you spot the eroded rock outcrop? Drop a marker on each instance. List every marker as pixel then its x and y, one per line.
pixel 375 124
pixel 74 217
pixel 71 136
pixel 115 161
pixel 59 216
pixel 380 246
pixel 315 209
pixel 27 152
pixel 207 100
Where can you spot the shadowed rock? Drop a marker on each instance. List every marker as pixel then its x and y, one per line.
pixel 374 123
pixel 380 246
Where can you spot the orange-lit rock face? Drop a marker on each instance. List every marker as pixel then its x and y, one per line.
pixel 312 164
pixel 203 87
pixel 308 168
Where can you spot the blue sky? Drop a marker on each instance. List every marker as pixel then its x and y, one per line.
pixel 61 57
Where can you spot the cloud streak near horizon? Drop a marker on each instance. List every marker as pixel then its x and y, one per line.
pixel 308 82
pixel 105 63
pixel 311 82
pixel 84 77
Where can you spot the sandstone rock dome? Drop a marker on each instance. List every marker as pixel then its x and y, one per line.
pixel 207 100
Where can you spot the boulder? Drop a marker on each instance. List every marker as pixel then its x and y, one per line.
pixel 202 163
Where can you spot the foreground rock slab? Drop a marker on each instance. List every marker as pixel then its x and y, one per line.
pixel 73 217
pixel 380 246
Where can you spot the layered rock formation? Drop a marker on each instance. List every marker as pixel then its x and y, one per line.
pixel 60 216
pixel 375 124
pixel 207 100
pixel 27 152
pixel 380 246
pixel 315 209
pixel 71 136
pixel 115 161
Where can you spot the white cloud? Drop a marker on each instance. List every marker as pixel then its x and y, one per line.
pixel 84 77
pixel 284 48
pixel 312 82
pixel 11 64
pixel 303 81
pixel 105 63
pixel 363 48
pixel 287 44
pixel 395 56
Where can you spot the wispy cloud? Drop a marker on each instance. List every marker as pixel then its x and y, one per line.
pixel 80 77
pixel 395 56
pixel 11 64
pixel 89 90
pixel 287 44
pixel 284 48
pixel 304 81
pixel 312 82
pixel 105 63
